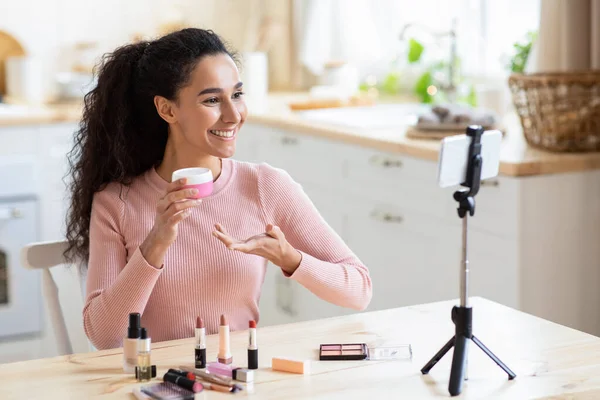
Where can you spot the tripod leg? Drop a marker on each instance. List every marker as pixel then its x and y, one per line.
pixel 459 359
pixel 511 375
pixel 439 355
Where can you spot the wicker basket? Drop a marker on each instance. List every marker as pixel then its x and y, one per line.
pixel 559 111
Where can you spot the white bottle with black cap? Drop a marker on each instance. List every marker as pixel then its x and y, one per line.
pixel 130 343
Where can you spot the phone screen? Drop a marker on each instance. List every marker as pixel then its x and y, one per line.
pixel 454 157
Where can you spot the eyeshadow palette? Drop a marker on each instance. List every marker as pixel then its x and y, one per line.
pixel 350 351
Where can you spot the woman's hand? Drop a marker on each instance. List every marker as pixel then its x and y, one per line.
pixel 176 205
pixel 271 245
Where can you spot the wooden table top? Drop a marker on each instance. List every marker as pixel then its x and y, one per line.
pixel 550 360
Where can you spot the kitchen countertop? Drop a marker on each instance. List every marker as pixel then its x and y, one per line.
pixel 517 157
pixel 551 361
pixel 40 115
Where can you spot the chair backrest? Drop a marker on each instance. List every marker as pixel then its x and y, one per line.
pixel 63 288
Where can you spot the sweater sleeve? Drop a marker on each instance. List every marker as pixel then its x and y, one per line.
pixel 115 287
pixel 329 269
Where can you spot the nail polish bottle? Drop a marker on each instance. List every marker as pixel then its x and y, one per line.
pixel 130 343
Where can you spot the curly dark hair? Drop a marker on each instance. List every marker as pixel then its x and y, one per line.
pixel 121 134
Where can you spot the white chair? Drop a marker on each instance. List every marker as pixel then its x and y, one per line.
pixel 63 288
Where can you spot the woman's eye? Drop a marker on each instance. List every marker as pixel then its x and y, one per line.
pixel 212 100
pixel 237 95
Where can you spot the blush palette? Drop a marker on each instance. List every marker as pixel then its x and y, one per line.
pixel 351 351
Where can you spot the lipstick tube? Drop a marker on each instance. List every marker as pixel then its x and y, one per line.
pixel 200 350
pixel 252 346
pixel 224 356
pixel 183 382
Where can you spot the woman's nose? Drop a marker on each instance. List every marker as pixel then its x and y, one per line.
pixel 230 113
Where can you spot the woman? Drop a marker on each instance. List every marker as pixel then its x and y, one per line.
pixel 173 103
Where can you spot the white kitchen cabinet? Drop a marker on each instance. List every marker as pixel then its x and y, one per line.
pixel 19 140
pixel 532 239
pixel 57 141
pixel 48 145
pixel 409 254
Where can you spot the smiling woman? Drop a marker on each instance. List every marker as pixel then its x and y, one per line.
pixel 151 247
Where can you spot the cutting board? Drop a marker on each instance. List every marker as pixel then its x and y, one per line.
pixel 433 134
pixel 9 47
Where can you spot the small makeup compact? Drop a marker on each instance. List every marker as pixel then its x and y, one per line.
pixel 360 351
pixel 350 351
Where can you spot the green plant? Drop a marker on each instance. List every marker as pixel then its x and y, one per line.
pixel 521 53
pixel 415 50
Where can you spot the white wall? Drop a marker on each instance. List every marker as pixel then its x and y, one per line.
pixel 49 28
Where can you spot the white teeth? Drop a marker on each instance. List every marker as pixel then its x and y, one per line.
pixel 223 133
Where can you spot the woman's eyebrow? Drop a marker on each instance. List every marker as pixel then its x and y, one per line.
pixel 218 90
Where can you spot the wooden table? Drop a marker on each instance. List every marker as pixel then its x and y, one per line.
pixel 551 361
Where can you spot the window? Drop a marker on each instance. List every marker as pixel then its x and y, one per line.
pixel 486 32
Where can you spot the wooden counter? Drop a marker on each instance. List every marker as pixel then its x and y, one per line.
pixel 517 157
pixel 42 115
pixel 551 361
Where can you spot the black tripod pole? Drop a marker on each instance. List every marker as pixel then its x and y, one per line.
pixel 462 316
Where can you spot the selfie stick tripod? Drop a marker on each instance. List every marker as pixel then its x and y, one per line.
pixel 463 316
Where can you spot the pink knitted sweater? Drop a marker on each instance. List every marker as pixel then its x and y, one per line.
pixel 201 277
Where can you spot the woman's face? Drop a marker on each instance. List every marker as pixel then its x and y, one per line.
pixel 211 108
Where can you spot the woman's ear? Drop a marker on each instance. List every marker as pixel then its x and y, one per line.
pixel 164 107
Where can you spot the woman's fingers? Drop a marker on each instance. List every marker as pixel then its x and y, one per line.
pixel 274 231
pixel 180 216
pixel 226 239
pixel 175 197
pixel 177 208
pixel 221 229
pixel 243 247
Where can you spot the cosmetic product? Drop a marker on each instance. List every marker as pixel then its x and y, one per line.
pixel 396 352
pixel 243 375
pixel 139 395
pixel 360 351
pixel 220 369
pixel 224 356
pixel 290 365
pixel 349 351
pixel 167 391
pixel 252 346
pixel 219 388
pixel 130 343
pixel 152 372
pixel 200 179
pixel 200 351
pixel 199 374
pixel 204 376
pixel 183 382
pixel 144 366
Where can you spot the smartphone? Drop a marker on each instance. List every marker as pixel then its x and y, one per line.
pixel 454 157
pixel 167 391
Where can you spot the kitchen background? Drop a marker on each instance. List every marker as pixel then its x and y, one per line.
pixel 338 82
